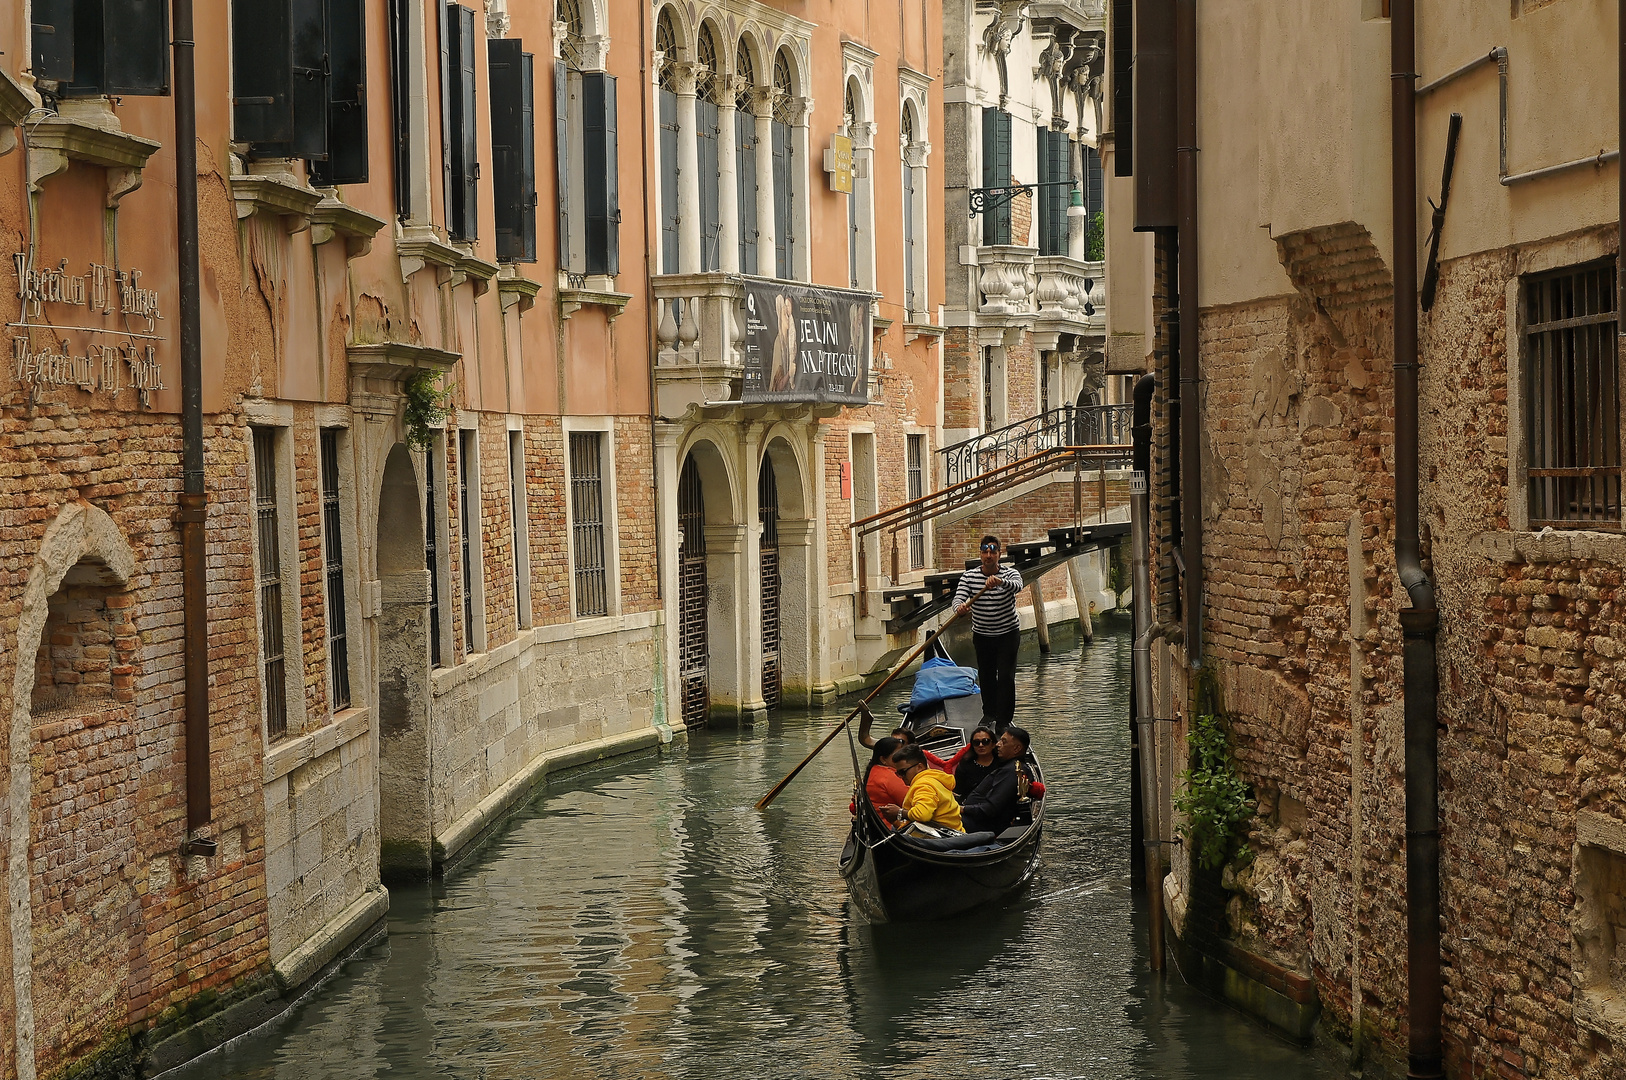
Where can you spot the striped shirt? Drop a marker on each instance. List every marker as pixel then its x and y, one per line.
pixel 995 610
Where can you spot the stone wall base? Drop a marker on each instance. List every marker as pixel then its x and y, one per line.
pixel 1284 1000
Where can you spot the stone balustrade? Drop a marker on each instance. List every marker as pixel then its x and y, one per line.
pixel 1006 281
pixel 699 325
pixel 1071 294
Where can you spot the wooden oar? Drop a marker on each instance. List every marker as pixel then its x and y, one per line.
pixel 762 804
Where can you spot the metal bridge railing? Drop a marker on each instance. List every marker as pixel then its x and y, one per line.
pixel 1070 425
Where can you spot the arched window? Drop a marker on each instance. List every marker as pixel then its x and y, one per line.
pixel 745 157
pixel 906 137
pixel 849 120
pixel 574 41
pixel 785 168
pixel 708 91
pixel 666 106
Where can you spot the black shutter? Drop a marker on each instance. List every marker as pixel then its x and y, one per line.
pixel 401 105
pixel 711 222
pixel 996 172
pixel 745 170
pixel 446 117
pixel 561 157
pixel 603 195
pixel 464 224
pixel 51 23
pixel 666 114
pixel 87 51
pixel 262 75
pixel 505 76
pixel 527 158
pixel 347 96
pixel 1094 198
pixel 784 264
pixel 135 56
pixel 1041 140
pixel 308 37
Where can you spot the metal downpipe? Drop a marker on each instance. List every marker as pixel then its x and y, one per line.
pixel 194 500
pixel 1140 541
pixel 1191 481
pixel 1419 623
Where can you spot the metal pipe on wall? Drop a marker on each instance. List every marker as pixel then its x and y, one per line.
pixel 194 500
pixel 1419 623
pixel 1191 481
pixel 1140 542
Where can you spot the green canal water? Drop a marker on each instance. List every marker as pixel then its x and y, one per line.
pixel 645 921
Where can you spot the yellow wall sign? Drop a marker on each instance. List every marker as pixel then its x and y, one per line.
pixel 838 162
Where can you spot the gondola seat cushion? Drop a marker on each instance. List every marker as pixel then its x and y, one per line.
pixel 953 842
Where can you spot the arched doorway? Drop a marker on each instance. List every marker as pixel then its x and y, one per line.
pixel 769 581
pixel 693 643
pixel 405 828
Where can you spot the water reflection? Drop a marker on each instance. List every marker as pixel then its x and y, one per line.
pixel 647 922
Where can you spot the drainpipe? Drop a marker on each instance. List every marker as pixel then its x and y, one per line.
pixel 1620 256
pixel 1191 481
pixel 1140 543
pixel 194 501
pixel 1420 622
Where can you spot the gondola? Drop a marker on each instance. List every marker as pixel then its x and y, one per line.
pixel 898 876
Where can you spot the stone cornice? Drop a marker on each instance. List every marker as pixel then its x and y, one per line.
pixel 396 361
pixel 14 105
pixel 515 288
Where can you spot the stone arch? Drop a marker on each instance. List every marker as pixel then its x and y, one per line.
pixel 726 589
pixel 794 66
pixel 683 31
pixel 798 534
pixel 403 721
pixel 751 41
pixel 82 542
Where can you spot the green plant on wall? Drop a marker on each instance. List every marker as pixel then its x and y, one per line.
pixel 1095 237
pixel 425 411
pixel 1216 801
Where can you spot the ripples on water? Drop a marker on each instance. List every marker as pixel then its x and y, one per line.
pixel 645 921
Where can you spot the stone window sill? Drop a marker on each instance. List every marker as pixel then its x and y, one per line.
pixel 573 300
pixel 15 104
pixel 515 288
pixel 89 134
pixel 333 218
pixel 290 753
pixel 419 246
pixel 278 195
pixel 1551 546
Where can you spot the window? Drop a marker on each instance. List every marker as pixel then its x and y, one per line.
pixel 586 157
pixel 996 172
pixel 915 450
pixel 401 16
pixel 850 120
pixel 338 649
pixel 709 87
pixel 1044 382
pixel 784 169
pixel 911 302
pixel 666 110
pixel 298 81
pixel 1572 399
pixel 434 466
pixel 587 522
pixel 468 502
pixel 1095 224
pixel 1055 168
pixel 95 47
pixel 520 534
pixel 460 166
pixel 273 646
pixel 511 71
pixel 745 158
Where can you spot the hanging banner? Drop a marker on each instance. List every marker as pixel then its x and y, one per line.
pixel 804 343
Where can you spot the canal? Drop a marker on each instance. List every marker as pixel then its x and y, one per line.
pixel 644 921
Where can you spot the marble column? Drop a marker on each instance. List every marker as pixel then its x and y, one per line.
pixel 762 99
pixel 688 164
pixel 728 181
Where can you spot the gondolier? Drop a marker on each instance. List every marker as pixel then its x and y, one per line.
pixel 989 593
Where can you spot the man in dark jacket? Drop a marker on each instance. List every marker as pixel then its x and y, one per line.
pixel 993 804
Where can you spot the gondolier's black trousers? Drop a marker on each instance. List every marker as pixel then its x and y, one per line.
pixel 996 673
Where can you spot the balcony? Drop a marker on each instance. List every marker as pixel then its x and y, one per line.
pixel 1049 295
pixel 699 325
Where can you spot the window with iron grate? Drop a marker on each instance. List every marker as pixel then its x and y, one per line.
pixel 1572 399
pixel 587 524
pixel 338 649
pixel 273 645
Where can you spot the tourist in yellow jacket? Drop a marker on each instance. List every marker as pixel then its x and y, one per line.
pixel 931 793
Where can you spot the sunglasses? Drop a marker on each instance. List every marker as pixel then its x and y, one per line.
pixel 990 547
pixel 982 742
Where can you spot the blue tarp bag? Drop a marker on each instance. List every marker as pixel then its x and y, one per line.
pixel 940 678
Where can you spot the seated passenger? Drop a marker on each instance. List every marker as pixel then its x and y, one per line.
pixel 930 799
pixel 972 765
pixel 901 734
pixel 993 804
pixel 883 786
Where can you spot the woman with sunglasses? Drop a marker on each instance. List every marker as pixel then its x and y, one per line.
pixel 977 762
